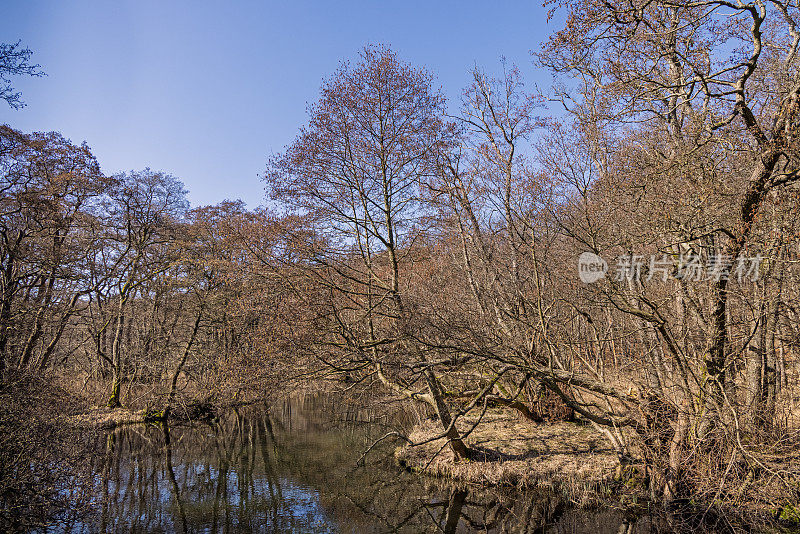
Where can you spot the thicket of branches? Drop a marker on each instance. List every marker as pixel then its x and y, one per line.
pixel 434 255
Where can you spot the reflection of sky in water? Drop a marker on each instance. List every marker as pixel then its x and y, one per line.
pixel 293 474
pixel 142 499
pixel 284 506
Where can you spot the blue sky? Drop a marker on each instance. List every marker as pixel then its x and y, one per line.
pixel 208 90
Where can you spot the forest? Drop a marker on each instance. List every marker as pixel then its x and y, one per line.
pixel 619 251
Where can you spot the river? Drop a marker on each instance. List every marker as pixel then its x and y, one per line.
pixel 292 468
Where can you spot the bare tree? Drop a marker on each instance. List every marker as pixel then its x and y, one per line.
pixel 356 172
pixel 688 119
pixel 15 61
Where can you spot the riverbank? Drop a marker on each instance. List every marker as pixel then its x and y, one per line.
pixel 43 455
pixel 571 460
pixel 509 451
pixel 563 464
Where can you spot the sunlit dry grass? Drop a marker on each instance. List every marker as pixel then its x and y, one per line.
pixel 513 452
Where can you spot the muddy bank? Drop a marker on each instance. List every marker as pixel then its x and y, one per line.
pixel 513 452
pixel 104 418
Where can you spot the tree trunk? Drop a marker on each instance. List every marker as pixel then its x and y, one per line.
pixel 753 373
pixel 435 399
pixel 5 315
pixel 174 384
pixel 674 474
pixel 460 450
pixel 116 356
pixel 770 389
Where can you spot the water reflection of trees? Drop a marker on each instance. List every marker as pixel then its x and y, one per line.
pixel 293 470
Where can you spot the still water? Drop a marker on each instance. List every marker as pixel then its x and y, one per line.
pixel 292 468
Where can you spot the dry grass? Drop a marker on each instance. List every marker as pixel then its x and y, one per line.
pixel 514 452
pixel 107 418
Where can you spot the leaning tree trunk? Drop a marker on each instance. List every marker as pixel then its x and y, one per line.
pixel 435 399
pixel 174 384
pixel 460 450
